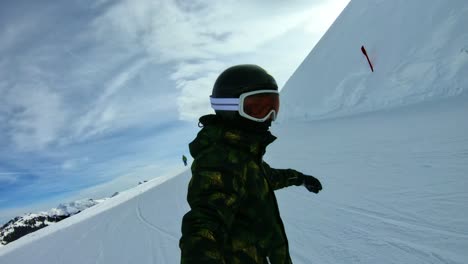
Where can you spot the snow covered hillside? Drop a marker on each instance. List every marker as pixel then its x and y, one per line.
pixel 137 226
pixel 394 176
pixel 419 50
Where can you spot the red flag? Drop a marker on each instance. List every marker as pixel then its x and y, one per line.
pixel 367 57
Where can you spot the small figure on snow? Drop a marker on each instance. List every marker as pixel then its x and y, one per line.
pixel 234 216
pixel 184 159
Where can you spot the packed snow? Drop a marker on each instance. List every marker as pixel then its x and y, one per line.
pixel 390 147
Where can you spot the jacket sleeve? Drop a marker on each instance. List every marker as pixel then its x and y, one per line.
pixel 280 178
pixel 214 201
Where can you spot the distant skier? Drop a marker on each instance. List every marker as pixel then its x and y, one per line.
pixel 184 159
pixel 234 216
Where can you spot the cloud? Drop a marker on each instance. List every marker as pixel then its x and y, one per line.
pixel 103 114
pixel 202 38
pixel 16 28
pixel 7 178
pixel 36 117
pixel 169 31
pixel 187 70
pixel 193 101
pixel 195 82
pixel 324 15
pixel 104 58
pixel 71 164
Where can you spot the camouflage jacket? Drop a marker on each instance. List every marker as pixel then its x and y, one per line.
pixel 234 216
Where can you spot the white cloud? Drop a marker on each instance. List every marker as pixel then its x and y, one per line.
pixel 199 38
pixel 194 98
pixel 187 70
pixel 71 164
pixel 12 32
pixel 38 116
pixel 170 33
pixel 195 82
pixel 325 14
pixel 204 37
pixel 102 114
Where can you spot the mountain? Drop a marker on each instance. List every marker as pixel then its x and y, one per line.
pixel 26 224
pixel 390 148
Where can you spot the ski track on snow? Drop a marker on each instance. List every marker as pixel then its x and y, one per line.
pixel 399 222
pixel 149 224
pixel 423 252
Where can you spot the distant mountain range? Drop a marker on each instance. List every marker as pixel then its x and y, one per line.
pixel 26 224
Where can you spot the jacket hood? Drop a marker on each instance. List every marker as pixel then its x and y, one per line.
pixel 216 131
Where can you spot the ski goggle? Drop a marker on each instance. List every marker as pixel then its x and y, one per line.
pixel 258 105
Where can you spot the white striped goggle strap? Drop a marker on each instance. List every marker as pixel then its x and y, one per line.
pixel 225 104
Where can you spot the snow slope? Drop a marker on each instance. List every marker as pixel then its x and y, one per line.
pixel 419 50
pixel 394 186
pixel 394 178
pixel 394 192
pixel 136 226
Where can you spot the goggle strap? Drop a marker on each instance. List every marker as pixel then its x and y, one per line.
pixel 225 104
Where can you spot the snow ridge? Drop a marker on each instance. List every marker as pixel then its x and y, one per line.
pixel 31 222
pixel 417 58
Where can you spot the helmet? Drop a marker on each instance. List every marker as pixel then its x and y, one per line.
pixel 238 80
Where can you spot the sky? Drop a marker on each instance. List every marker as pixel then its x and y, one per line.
pixel 98 95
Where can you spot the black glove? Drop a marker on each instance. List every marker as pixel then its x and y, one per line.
pixel 312 184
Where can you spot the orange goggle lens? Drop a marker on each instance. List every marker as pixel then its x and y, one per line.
pixel 261 105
